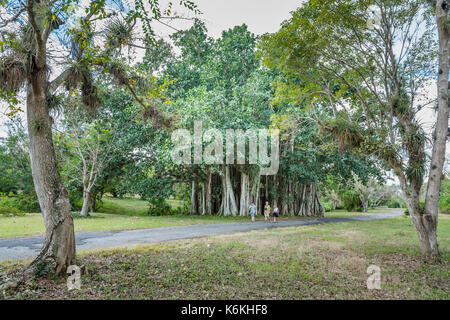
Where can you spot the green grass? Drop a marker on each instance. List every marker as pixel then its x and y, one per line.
pixel 126 206
pixel 309 262
pixel 344 214
pixel 124 214
pixel 31 225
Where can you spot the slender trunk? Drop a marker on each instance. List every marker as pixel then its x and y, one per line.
pixel 430 215
pixel 59 241
pixel 244 204
pixel 230 193
pixel 193 209
pixel 203 198
pixel 364 202
pixel 85 208
pixel 208 194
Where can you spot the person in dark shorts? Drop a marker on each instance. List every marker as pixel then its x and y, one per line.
pixel 275 213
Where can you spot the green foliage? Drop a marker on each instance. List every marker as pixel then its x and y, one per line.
pixel 159 207
pixel 393 204
pixel 444 199
pixel 42 268
pixel 327 206
pixel 16 204
pixel 351 201
pixel 10 211
pixel 15 173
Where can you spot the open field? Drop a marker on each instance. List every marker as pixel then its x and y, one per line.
pixel 311 262
pixel 123 214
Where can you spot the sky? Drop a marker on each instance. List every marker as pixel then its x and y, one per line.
pixel 261 16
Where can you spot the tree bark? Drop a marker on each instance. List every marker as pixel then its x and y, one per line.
pixel 59 242
pixel 427 238
pixel 193 209
pixel 244 202
pixel 430 214
pixel 364 202
pixel 208 194
pixel 229 192
pixel 86 200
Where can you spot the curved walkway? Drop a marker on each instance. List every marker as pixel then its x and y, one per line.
pixel 28 247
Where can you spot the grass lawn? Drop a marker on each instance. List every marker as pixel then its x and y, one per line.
pixel 122 214
pixel 343 214
pixel 131 206
pixel 309 262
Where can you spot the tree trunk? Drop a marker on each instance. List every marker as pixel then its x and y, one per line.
pixel 310 204
pixel 427 237
pixel 85 208
pixel 59 242
pixel 430 214
pixel 193 209
pixel 203 198
pixel 229 192
pixel 364 202
pixel 208 194
pixel 244 202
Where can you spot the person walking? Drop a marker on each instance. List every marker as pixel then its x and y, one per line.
pixel 275 213
pixel 267 211
pixel 252 210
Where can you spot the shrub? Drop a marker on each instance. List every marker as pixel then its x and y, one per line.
pixel 351 201
pixel 10 212
pixel 326 206
pixel 393 204
pixel 159 207
pixel 28 202
pixel 8 205
pixel 23 202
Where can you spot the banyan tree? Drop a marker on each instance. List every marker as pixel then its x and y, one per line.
pixel 229 189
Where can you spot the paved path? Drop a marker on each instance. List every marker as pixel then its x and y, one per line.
pixel 28 247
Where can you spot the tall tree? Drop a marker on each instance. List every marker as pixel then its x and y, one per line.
pixel 440 135
pixel 373 77
pixel 70 43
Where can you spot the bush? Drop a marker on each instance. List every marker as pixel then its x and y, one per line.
pixel 351 201
pixel 10 212
pixel 8 206
pixel 393 204
pixel 28 202
pixel 23 202
pixel 326 206
pixel 159 207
